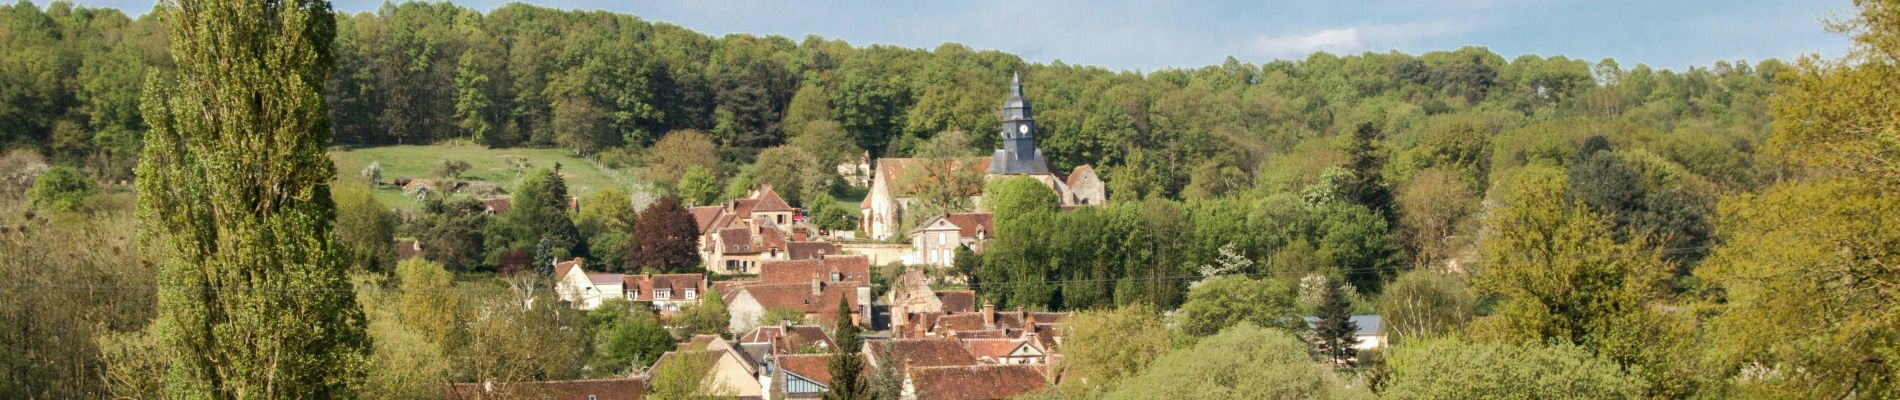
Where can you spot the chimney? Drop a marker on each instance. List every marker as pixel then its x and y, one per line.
pixel 864 303
pixel 817 286
pixel 989 315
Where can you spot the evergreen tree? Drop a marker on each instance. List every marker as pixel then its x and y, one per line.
pixel 846 365
pixel 1335 328
pixel 1365 159
pixel 539 212
pixel 235 197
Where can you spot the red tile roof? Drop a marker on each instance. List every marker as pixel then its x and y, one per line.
pixel 814 367
pixel 984 382
pixel 848 268
pixel 811 250
pixel 704 216
pixel 645 284
pixel 968 224
pixel 561 268
pixel 768 201
pixel 498 206
pixel 407 249
pixel 800 337
pixel 917 353
pixel 994 348
pixel 607 279
pixel 738 241
pixel 957 301
pixel 799 296
pixel 599 389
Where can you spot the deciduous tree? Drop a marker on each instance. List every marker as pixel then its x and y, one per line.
pixel 234 190
pixel 666 238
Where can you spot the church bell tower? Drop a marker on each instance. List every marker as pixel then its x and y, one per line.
pixel 1019 154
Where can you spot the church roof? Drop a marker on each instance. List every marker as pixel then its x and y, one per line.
pixel 1076 176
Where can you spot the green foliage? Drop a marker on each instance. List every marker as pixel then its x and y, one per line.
pixel 845 366
pixel 1219 303
pixel 365 228
pixel 1425 304
pixel 62 189
pixel 687 376
pixel 405 361
pixel 473 107
pixel 1241 362
pixel 235 197
pixel 1452 369
pixel 626 338
pixel 450 169
pixel 1104 347
pixel 1358 242
pixel 1364 185
pixel 520 337
pixel 708 317
pixel 452 233
pixel 1020 195
pixel 698 186
pixel 1560 273
pixel 1801 275
pixel 778 315
pixel 538 213
pixel 792 172
pixel 1436 210
pixel 670 158
pixel 429 304
pixel 827 213
pixel 1334 329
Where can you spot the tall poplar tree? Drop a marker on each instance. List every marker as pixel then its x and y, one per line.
pixel 234 194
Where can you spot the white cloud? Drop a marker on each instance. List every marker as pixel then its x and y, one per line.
pixel 1329 40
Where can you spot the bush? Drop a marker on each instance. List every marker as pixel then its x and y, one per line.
pixel 61 188
pixel 1452 369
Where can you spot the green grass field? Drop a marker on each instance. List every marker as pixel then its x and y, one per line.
pixel 487 164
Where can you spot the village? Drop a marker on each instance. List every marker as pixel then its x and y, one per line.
pixel 939 338
pixel 563 200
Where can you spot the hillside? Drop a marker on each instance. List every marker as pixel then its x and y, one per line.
pixel 486 165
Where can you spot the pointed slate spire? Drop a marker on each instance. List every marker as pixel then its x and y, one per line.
pixel 1019 154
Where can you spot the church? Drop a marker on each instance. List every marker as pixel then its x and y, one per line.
pixel 884 211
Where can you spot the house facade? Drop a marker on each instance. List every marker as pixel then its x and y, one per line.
pixel 811 286
pixel 664 293
pixel 737 235
pixel 936 240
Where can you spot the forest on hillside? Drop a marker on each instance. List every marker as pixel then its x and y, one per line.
pixel 600 82
pixel 1715 232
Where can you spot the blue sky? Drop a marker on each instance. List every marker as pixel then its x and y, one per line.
pixel 1154 34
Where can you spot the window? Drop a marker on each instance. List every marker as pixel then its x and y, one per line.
pixel 662 294
pixel 943 239
pixel 692 294
pixel 591 397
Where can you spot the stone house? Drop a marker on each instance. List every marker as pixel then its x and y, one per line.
pixel 935 241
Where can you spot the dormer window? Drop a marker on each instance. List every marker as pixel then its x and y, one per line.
pixel 662 294
pixel 692 294
pixel 836 277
